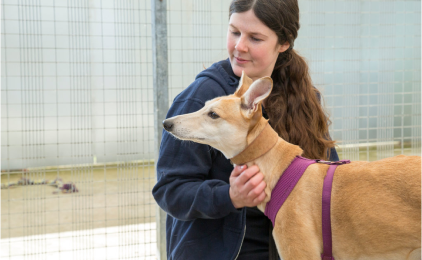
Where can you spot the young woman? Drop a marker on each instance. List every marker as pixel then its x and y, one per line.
pixel 211 207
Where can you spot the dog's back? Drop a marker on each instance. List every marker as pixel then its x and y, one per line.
pixel 376 206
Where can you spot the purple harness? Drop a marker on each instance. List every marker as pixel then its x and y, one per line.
pixel 286 184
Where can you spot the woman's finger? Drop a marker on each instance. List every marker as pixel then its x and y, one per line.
pixel 247 174
pixel 238 170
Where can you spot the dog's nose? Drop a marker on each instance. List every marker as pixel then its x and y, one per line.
pixel 168 125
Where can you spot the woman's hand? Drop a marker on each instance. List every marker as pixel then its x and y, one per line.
pixel 247 186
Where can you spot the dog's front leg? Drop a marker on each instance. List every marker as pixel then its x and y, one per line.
pixel 297 243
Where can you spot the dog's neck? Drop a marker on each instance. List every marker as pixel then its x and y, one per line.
pixel 272 162
pixel 261 139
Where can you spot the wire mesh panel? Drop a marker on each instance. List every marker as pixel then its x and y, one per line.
pixel 77 130
pixel 196 36
pixel 365 58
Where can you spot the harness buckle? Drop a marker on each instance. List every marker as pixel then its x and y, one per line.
pixel 322 161
pixel 333 163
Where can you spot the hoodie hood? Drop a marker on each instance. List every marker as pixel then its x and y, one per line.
pixel 222 73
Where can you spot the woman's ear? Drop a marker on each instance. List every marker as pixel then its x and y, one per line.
pixel 284 47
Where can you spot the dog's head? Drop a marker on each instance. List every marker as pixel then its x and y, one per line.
pixel 224 122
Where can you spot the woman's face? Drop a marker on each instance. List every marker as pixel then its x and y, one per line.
pixel 252 46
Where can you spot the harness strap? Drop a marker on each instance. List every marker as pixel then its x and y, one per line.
pixel 326 216
pixel 288 181
pixel 326 209
pixel 285 185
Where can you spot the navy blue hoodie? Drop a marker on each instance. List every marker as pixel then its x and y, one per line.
pixel 193 181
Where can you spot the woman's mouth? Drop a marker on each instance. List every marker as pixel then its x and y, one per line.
pixel 240 60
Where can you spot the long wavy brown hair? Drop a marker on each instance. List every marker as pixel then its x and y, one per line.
pixel 293 107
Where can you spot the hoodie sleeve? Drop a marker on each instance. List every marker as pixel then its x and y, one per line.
pixel 184 189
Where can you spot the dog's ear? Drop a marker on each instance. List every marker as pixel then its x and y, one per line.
pixel 244 84
pixel 257 92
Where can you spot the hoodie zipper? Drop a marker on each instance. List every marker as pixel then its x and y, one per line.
pixel 244 233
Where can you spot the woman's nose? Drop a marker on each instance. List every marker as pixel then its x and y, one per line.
pixel 241 45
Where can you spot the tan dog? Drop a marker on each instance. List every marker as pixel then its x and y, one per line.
pixel 375 206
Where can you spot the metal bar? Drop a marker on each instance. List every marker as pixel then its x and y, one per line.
pixel 160 83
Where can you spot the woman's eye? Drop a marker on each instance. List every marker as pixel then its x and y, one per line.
pixel 235 33
pixel 256 39
pixel 213 115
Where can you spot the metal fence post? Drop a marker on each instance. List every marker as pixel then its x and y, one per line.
pixel 160 79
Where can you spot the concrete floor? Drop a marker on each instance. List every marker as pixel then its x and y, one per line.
pixel 107 197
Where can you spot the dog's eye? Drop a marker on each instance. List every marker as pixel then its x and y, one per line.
pixel 213 115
